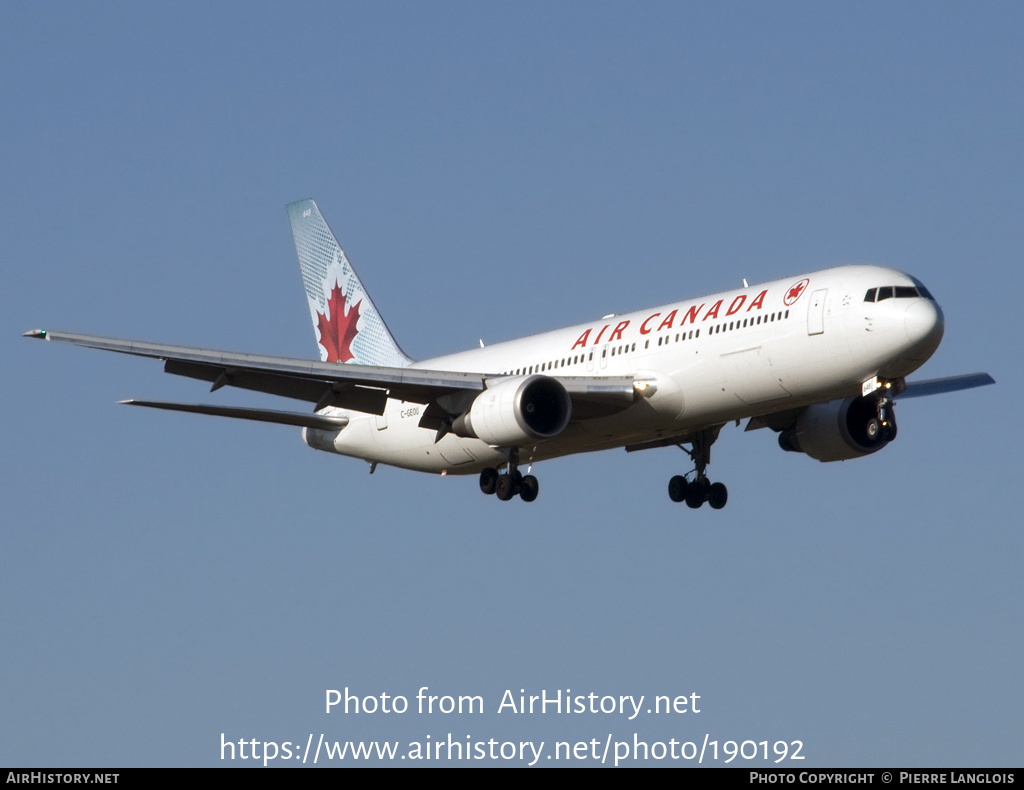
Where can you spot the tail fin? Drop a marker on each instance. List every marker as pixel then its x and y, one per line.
pixel 348 327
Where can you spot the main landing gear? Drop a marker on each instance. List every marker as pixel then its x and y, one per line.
pixel 699 490
pixel 510 483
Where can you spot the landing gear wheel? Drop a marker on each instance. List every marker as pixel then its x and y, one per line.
pixel 677 488
pixel 529 488
pixel 488 480
pixel 505 487
pixel 696 493
pixel 873 429
pixel 889 430
pixel 718 495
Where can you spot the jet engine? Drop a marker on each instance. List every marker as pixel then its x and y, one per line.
pixel 516 411
pixel 840 429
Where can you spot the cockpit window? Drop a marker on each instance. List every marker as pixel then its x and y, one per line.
pixel 897 292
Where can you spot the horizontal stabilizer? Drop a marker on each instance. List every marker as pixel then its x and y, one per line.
pixel 917 389
pixel 299 419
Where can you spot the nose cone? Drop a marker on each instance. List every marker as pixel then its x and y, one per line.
pixel 925 325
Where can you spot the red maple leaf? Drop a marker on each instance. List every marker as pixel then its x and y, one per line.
pixel 795 291
pixel 338 331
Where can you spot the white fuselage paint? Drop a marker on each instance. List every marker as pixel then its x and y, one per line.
pixel 830 343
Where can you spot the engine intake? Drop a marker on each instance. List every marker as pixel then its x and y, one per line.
pixel 517 411
pixel 839 430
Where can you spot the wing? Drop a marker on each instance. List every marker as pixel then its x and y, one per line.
pixel 785 419
pixel 916 389
pixel 364 388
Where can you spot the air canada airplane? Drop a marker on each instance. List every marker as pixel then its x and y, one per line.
pixel 819 358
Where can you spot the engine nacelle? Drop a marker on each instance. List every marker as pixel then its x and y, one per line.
pixel 839 430
pixel 517 411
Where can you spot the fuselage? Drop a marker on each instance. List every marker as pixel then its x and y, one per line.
pixel 744 353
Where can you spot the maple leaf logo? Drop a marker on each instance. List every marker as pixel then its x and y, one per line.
pixel 338 331
pixel 794 292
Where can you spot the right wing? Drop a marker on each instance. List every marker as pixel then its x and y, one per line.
pixel 364 388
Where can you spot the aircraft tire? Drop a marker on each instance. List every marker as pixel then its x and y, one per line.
pixel 696 494
pixel 488 480
pixel 677 488
pixel 718 495
pixel 505 488
pixel 529 488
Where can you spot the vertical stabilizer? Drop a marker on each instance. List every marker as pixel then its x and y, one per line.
pixel 347 326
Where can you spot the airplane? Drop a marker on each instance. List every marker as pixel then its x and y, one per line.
pixel 819 358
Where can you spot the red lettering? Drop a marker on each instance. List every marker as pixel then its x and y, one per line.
pixel 643 327
pixel 691 315
pixel 713 312
pixel 618 331
pixel 737 303
pixel 582 342
pixel 598 338
pixel 758 302
pixel 668 321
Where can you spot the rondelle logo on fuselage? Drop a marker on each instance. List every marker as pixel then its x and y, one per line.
pixel 794 292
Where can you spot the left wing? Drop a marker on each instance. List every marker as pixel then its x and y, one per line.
pixel 916 389
pixel 779 421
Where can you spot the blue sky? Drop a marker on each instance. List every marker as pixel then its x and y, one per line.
pixel 497 170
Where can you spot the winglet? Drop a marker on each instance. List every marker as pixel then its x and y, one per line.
pixel 347 325
pixel 40 333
